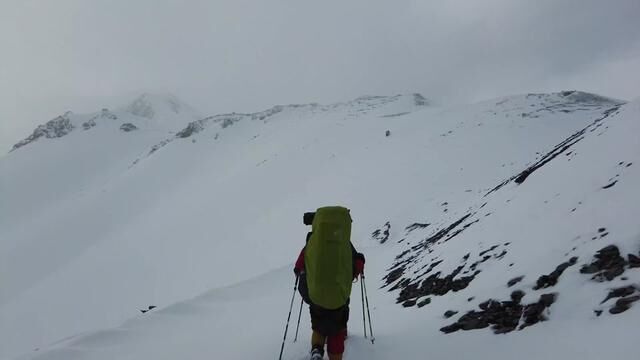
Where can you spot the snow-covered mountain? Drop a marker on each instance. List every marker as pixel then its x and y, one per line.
pixel 513 216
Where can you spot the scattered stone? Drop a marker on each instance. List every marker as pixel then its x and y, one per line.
pixel 127 127
pixel 503 317
pixel 601 230
pixel 517 296
pixel 387 133
pixel 514 281
pixel 619 292
pixel 610 185
pixel 88 124
pixel 409 303
pixel 415 226
pixel 607 266
pixel 449 313
pixel 534 313
pixel 382 235
pixel 55 128
pixel 598 312
pixel 634 261
pixel 471 299
pixel 149 308
pixel 550 280
pixel 424 302
pixel 488 250
pixel 623 304
pixel 435 285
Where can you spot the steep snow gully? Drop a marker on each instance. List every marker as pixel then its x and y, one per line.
pixel 503 229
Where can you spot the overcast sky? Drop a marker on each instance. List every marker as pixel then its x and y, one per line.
pixel 246 55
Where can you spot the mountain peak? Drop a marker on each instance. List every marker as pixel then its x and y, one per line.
pixel 153 106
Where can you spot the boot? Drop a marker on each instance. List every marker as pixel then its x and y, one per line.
pixel 317 353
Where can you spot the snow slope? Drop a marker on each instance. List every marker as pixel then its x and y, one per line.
pixel 216 210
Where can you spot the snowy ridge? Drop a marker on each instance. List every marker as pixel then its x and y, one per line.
pixel 148 111
pixel 358 107
pixel 491 221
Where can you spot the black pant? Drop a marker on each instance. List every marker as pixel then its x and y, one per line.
pixel 329 322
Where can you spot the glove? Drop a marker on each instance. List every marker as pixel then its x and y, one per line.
pixel 359 266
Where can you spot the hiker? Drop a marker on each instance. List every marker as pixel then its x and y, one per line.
pixel 326 267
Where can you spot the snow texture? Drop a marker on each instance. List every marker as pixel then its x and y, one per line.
pixel 515 216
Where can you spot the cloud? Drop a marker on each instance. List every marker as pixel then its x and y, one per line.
pixel 244 55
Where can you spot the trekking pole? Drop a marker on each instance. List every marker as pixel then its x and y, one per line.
pixel 364 319
pixel 373 338
pixel 295 287
pixel 299 315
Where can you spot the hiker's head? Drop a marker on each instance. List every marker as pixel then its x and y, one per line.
pixel 307 219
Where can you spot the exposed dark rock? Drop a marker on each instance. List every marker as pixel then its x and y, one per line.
pixel 416 226
pixel 451 328
pixel 557 150
pixel 610 185
pixel 449 313
pixel 634 261
pixel 623 304
pixel 382 235
pixel 517 296
pixel 193 127
pixel 489 250
pixel 607 266
pixel 503 316
pixel 409 303
pixel 88 124
pixel 598 312
pixel 551 279
pixel 424 302
pixel 471 299
pixel 534 313
pixel 413 287
pixel 149 308
pixel 127 127
pixel 387 133
pixel 55 128
pixel 514 281
pixel 620 292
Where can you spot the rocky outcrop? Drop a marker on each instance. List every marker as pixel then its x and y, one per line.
pixel 127 127
pixel 55 128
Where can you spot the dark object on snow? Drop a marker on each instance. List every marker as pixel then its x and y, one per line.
pixel 550 280
pixel 55 128
pixel 619 292
pixel 151 307
pixel 634 261
pixel 387 133
pixel 607 266
pixel 127 127
pixel 449 313
pixel 382 235
pixel 415 226
pixel 503 316
pixel 514 281
pixel 623 304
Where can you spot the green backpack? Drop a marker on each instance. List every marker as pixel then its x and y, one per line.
pixel 328 258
